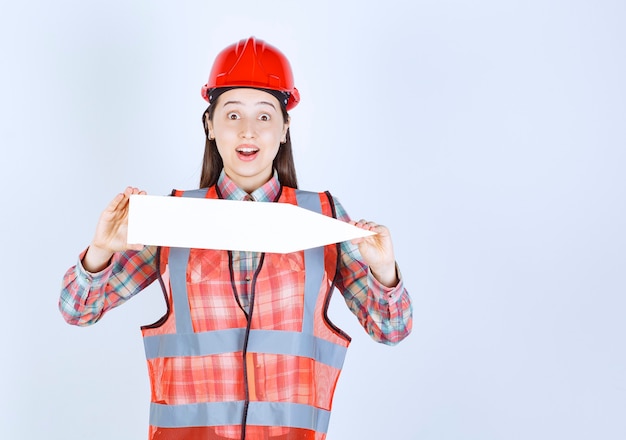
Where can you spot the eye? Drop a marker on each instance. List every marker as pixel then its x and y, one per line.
pixel 233 116
pixel 264 117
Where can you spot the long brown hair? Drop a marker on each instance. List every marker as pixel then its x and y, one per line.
pixel 212 163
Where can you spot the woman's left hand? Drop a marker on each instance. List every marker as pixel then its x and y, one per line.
pixel 377 252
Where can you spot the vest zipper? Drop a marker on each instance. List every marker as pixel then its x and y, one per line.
pixel 233 285
pixel 244 351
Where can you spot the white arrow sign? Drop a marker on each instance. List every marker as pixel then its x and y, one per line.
pixel 232 225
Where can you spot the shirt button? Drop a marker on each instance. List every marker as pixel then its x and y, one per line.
pixel 248 279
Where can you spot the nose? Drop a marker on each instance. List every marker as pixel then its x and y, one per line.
pixel 248 128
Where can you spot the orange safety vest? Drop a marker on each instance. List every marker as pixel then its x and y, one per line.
pixel 218 371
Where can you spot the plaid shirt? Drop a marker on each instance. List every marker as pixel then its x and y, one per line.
pixel 385 313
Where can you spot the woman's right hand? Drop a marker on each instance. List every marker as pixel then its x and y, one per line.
pixel 111 232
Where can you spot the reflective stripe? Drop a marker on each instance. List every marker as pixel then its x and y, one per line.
pixel 313 277
pixel 231 340
pixel 313 263
pixel 292 415
pixel 194 344
pixel 178 279
pixel 297 344
pixel 178 259
pixel 196 414
pixel 197 193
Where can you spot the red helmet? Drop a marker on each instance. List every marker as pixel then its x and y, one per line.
pixel 252 63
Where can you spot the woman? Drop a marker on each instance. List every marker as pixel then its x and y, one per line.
pixel 245 349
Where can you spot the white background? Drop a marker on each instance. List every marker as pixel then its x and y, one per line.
pixel 488 135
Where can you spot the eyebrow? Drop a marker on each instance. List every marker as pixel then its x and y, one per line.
pixel 258 103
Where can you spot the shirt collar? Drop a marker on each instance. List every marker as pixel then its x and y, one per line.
pixel 266 193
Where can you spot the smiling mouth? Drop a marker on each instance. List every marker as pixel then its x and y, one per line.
pixel 247 151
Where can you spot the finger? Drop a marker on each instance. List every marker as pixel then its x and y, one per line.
pixel 129 191
pixel 370 226
pixel 115 203
pixel 363 224
pixel 134 247
pixel 380 229
pixel 123 204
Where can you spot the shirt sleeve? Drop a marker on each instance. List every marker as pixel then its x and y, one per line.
pixel 385 313
pixel 86 297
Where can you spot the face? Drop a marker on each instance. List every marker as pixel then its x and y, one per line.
pixel 248 127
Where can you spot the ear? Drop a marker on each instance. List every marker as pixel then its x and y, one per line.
pixel 209 126
pixel 285 128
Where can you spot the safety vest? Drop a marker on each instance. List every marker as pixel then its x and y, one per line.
pixel 221 371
